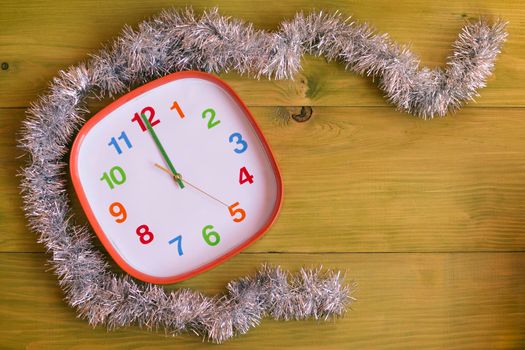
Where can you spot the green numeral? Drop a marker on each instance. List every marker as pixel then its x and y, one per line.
pixel 209 235
pixel 112 179
pixel 212 122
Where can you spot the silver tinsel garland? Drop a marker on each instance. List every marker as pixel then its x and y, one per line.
pixel 177 40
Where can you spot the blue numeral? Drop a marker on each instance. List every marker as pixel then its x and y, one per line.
pixel 179 245
pixel 114 142
pixel 240 141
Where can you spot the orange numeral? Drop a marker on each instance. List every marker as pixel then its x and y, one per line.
pixel 118 211
pixel 177 107
pixel 234 212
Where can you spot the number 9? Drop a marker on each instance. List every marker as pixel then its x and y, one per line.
pixel 117 210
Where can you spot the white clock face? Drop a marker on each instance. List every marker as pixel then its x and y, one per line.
pixel 175 177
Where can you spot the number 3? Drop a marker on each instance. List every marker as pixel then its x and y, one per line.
pixel 240 141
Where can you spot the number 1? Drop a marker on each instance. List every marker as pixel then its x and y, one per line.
pixel 177 107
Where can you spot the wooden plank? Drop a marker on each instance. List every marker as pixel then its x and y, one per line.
pixel 12 219
pixel 41 38
pixel 405 301
pixel 367 180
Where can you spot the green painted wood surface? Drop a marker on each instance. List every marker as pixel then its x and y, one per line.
pixel 406 301
pixel 427 216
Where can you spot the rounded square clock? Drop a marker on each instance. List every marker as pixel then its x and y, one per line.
pixel 175 177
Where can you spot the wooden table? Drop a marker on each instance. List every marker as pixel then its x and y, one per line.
pixel 428 217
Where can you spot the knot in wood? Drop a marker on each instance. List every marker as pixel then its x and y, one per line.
pixel 304 115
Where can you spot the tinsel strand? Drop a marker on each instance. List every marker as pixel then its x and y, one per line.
pixel 178 40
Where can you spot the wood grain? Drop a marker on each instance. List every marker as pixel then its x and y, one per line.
pixel 427 216
pixel 370 180
pixel 41 37
pixel 405 301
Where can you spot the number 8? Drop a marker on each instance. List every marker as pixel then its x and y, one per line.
pixel 146 236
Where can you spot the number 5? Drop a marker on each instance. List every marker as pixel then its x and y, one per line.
pixel 240 211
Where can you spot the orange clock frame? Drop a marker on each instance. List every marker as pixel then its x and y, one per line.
pixel 91 216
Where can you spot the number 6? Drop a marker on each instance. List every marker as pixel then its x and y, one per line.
pixel 206 234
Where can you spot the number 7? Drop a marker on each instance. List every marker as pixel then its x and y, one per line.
pixel 179 245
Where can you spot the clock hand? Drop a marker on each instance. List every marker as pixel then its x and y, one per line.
pixel 180 178
pixel 162 150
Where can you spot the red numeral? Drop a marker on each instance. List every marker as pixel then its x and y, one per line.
pixel 234 212
pixel 151 118
pixel 177 107
pixel 245 176
pixel 146 236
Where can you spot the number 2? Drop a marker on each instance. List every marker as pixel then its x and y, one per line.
pixel 240 141
pixel 211 122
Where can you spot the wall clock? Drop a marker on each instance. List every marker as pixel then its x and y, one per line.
pixel 175 177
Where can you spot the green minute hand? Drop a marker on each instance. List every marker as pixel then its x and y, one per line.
pixel 162 150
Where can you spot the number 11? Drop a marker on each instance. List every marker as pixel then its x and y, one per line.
pixel 114 142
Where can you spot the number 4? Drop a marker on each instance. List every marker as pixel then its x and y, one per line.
pixel 245 176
